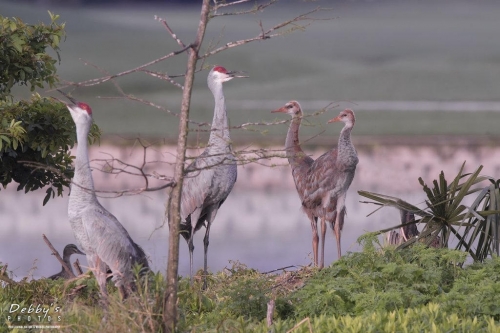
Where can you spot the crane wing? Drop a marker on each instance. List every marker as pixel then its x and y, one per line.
pixel 196 185
pixel 112 242
pixel 300 168
pixel 321 178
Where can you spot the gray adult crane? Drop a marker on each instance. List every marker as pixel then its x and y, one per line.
pixel 211 176
pixel 323 184
pixel 98 233
pixel 69 250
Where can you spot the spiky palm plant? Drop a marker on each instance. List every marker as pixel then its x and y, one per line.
pixel 476 226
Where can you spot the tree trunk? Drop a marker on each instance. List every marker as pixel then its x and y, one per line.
pixel 173 208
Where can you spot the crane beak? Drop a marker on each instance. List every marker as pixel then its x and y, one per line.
pixel 282 110
pixel 336 119
pixel 236 74
pixel 71 99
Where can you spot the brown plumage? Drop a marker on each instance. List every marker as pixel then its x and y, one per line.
pixel 322 184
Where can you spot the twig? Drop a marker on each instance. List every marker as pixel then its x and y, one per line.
pixel 280 269
pixel 8 280
pixel 54 252
pixel 162 76
pixel 116 193
pixel 270 32
pixel 170 31
pixel 225 3
pixel 4 276
pixel 243 12
pixel 77 266
pixel 300 324
pixel 100 80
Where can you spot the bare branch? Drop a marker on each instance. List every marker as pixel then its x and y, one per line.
pixel 5 278
pixel 170 31
pixel 272 32
pixel 226 4
pixel 115 194
pixel 58 257
pixel 77 266
pixel 100 80
pixel 254 10
pixel 162 76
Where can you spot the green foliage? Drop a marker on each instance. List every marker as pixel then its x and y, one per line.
pixel 237 292
pixel 37 133
pixel 35 136
pixel 378 280
pixel 475 226
pixel 23 57
pixel 428 318
pixel 417 289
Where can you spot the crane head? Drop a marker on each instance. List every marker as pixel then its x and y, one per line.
pixel 346 116
pixel 78 110
pixel 72 249
pixel 220 74
pixel 292 108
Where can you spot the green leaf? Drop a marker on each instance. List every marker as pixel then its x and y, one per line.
pixel 47 196
pixel 5 138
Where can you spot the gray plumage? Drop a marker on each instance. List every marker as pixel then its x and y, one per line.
pixel 98 233
pixel 211 176
pixel 69 250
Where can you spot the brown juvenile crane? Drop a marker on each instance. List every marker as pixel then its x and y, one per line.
pixel 322 184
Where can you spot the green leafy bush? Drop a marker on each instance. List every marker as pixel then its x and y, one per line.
pixel 23 57
pixel 36 135
pixel 378 280
pixel 418 289
pixel 48 133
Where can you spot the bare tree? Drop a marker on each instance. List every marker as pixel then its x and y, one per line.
pixel 209 10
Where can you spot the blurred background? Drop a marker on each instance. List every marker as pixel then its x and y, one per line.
pixel 422 76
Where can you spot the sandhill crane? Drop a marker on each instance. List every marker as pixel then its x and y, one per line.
pixel 408 230
pixel 211 176
pixel 98 233
pixel 300 163
pixel 323 185
pixel 67 252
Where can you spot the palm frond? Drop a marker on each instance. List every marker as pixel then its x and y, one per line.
pixel 476 227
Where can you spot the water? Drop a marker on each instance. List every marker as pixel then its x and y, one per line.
pixel 260 224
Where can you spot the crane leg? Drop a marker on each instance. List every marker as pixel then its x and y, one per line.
pixel 194 220
pixel 323 234
pixel 205 262
pixel 191 249
pixel 337 229
pixel 315 238
pixel 99 268
pixel 210 217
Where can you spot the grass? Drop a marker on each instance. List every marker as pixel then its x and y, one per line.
pixel 373 52
pixel 376 290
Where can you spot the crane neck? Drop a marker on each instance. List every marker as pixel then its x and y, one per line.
pixel 346 152
pixel 82 189
pixel 292 144
pixel 66 257
pixel 219 134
